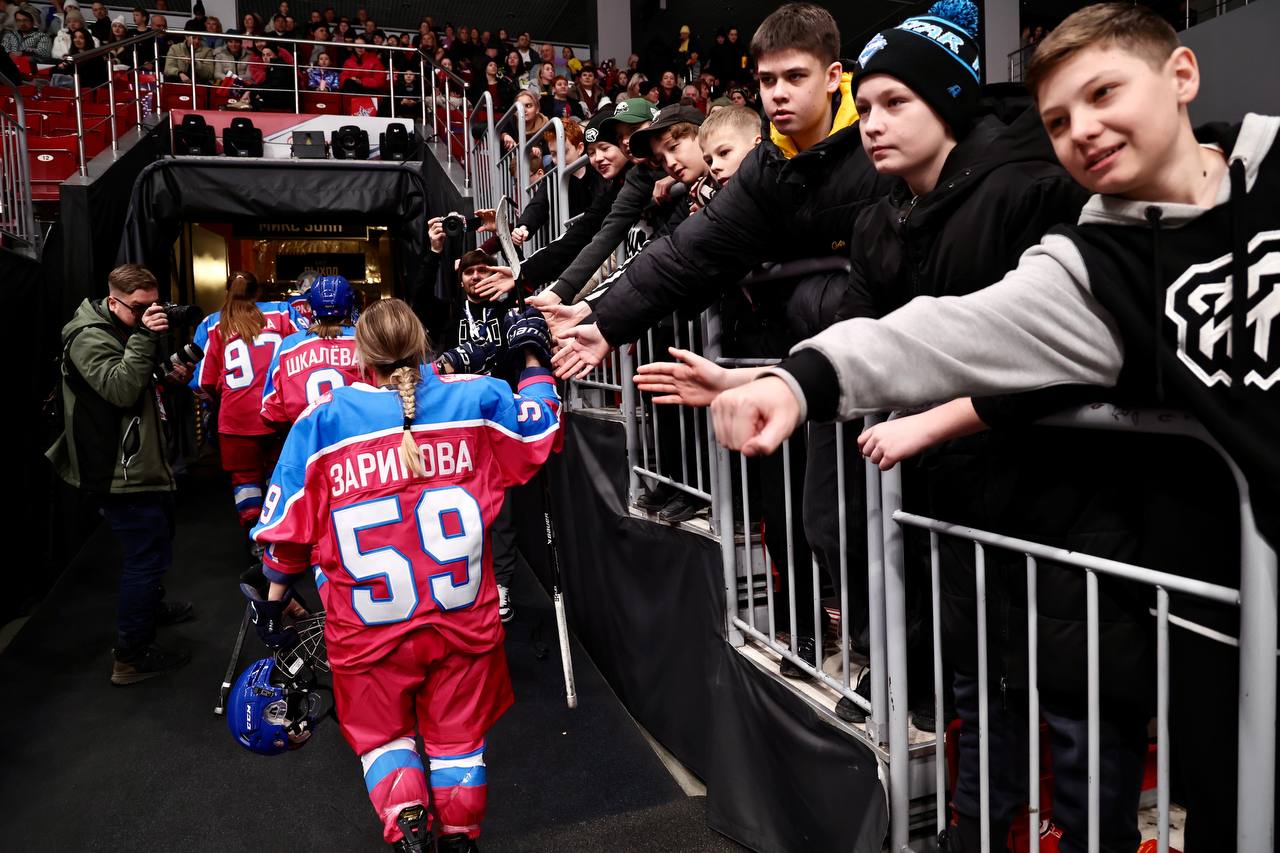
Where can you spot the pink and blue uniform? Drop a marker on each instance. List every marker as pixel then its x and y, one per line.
pixel 406 571
pixel 305 367
pixel 234 372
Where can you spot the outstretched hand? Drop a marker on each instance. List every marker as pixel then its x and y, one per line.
pixel 582 351
pixel 488 220
pixel 756 417
pixel 562 318
pixel 690 380
pixel 888 443
pixel 498 282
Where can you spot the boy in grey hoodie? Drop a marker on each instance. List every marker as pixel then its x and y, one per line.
pixel 1172 261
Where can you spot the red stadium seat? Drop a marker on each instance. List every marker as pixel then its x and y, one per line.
pixel 177 96
pixel 322 103
pixel 52 160
pixel 58 93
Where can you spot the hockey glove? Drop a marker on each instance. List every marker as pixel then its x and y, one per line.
pixel 268 620
pixel 529 332
pixel 472 357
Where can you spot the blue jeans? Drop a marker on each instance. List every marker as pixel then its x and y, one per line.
pixel 143 525
pixel 1123 752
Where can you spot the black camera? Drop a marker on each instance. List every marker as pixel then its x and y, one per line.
pixel 455 224
pixel 188 354
pixel 182 316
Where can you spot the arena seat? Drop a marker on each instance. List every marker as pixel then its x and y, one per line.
pixel 177 96
pixel 52 160
pixel 322 103
pixel 57 93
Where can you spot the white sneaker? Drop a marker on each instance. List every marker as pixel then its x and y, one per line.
pixel 505 613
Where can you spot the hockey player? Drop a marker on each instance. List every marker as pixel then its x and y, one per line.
pixel 397 485
pixel 317 359
pixel 241 341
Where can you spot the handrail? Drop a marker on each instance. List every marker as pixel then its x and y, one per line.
pixel 16 203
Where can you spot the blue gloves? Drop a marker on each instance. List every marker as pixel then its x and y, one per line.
pixel 268 620
pixel 528 330
pixel 472 357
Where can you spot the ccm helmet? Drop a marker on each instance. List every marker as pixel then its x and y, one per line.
pixel 331 296
pixel 269 712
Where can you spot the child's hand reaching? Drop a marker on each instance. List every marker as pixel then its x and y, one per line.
pixel 886 444
pixel 690 380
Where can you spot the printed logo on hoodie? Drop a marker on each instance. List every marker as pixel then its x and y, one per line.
pixel 1199 304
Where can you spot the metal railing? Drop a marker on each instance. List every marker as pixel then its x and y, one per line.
pixel 17 214
pixel 677 449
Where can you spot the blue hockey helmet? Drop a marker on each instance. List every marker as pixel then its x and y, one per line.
pixel 268 712
pixel 331 296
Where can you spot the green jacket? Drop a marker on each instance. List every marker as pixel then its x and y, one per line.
pixel 112 441
pixel 178 61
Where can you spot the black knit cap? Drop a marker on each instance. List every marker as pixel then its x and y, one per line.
pixel 936 54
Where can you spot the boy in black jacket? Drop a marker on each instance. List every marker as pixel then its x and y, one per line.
pixel 1165 271
pixel 795 196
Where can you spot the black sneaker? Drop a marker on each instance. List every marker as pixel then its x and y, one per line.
pixel 806 647
pixel 680 508
pixel 173 612
pixel 415 823
pixel 458 842
pixel 505 611
pixel 655 499
pixel 132 666
pixel 849 710
pixel 923 716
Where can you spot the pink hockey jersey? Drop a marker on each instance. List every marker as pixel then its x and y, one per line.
pixel 235 370
pixel 304 368
pixel 397 552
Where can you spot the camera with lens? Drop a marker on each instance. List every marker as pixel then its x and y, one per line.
pixel 182 316
pixel 455 224
pixel 188 354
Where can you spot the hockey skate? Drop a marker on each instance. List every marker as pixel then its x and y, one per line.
pixel 415 822
pixel 458 842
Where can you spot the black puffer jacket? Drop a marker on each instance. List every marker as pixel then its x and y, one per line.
pixel 999 191
pixel 774 209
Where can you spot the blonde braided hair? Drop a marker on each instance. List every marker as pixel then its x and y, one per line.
pixel 391 342
pixel 406 381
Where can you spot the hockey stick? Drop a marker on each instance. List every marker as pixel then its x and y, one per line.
pixel 229 678
pixel 502 223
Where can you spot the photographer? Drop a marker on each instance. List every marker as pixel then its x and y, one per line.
pixel 113 448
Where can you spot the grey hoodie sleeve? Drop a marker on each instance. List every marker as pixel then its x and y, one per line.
pixel 1039 326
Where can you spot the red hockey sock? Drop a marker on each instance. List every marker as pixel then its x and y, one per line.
pixel 458 786
pixel 394 776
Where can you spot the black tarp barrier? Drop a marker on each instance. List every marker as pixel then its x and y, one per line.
pixel 647 602
pixel 171 192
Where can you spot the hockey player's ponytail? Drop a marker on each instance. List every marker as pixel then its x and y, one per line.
pixel 391 343
pixel 240 315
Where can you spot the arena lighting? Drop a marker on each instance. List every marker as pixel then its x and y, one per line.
pixel 194 137
pixel 308 145
pixel 349 143
pixel 242 139
pixel 396 143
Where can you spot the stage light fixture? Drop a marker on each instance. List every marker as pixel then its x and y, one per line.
pixel 350 142
pixel 242 139
pixel 194 137
pixel 398 143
